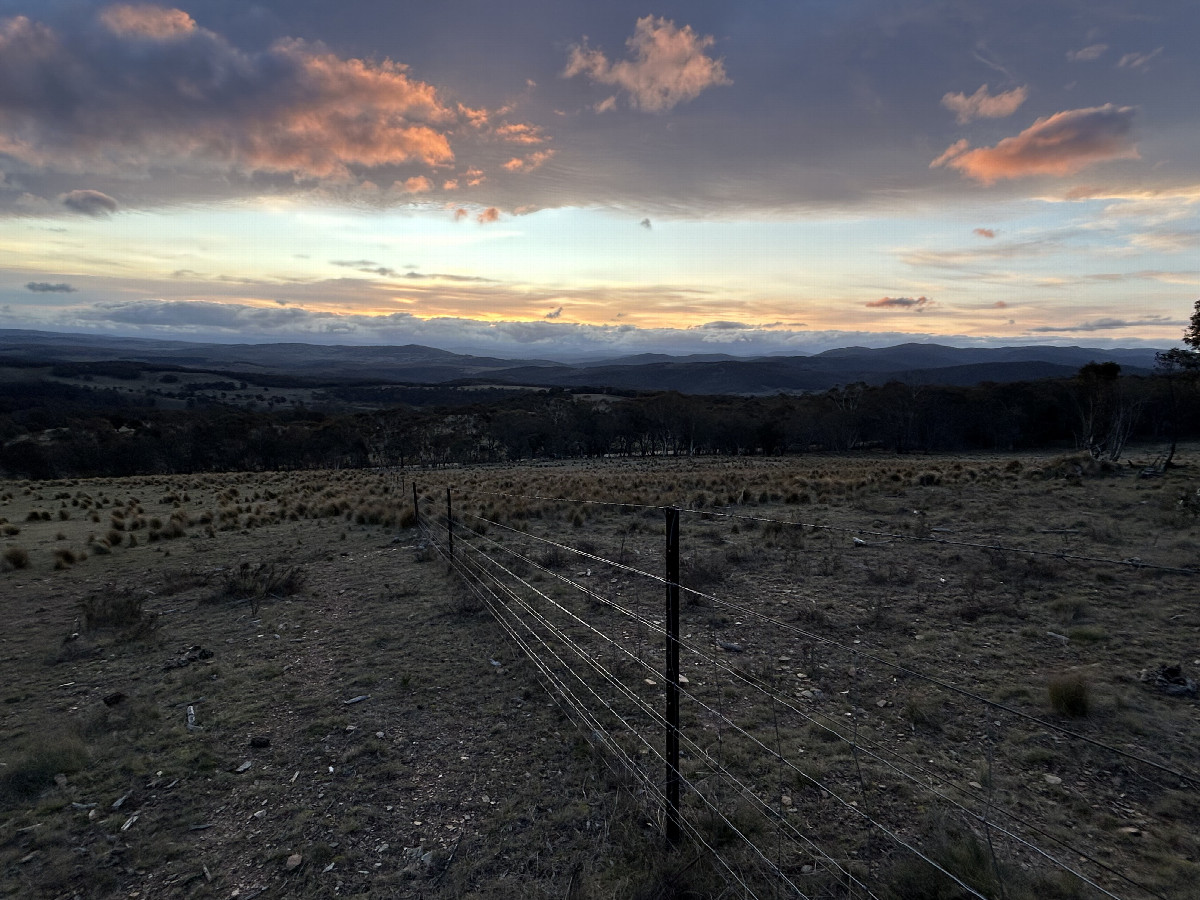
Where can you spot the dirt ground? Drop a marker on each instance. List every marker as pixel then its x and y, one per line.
pixel 278 689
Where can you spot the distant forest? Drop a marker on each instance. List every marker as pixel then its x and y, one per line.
pixel 54 430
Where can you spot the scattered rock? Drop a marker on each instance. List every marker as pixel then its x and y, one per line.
pixel 114 698
pixel 192 654
pixel 260 742
pixel 1052 779
pixel 1170 680
pixel 243 767
pixel 293 862
pixel 359 699
pixel 730 647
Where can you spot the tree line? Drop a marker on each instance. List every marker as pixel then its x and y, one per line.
pixel 57 431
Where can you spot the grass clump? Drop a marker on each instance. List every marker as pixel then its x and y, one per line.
pixel 16 558
pixel 1069 695
pixel 35 772
pixel 257 583
pixel 117 609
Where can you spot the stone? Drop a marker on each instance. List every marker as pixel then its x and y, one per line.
pixel 293 862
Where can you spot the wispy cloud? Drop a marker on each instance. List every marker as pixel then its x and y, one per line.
pixel 1106 324
pixel 45 287
pixel 1061 144
pixel 984 105
pixel 1087 54
pixel 910 303
pixel 984 232
pixel 668 65
pixel 1139 61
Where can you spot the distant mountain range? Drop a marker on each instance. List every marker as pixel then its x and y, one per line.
pixel 695 374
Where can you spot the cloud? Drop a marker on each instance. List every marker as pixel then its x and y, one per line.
pixel 1138 60
pixel 1106 324
pixel 45 287
pixel 555 313
pixel 1061 144
pixel 520 133
pixel 645 223
pixel 418 184
pixel 146 21
pixel 983 105
pixel 914 303
pixel 491 214
pixel 984 232
pixel 529 163
pixel 143 87
pixel 89 203
pixel 668 65
pixel 1087 54
pixel 999 304
pixel 460 213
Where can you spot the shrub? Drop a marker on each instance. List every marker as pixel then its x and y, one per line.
pixel 16 557
pixel 1069 695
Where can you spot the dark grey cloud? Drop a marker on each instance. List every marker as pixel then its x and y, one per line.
pixel 45 287
pixel 912 303
pixel 91 203
pixel 1107 324
pixel 554 314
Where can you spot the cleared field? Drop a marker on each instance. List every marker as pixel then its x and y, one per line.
pixel 266 603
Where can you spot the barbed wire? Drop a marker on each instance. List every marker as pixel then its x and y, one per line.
pixel 830 642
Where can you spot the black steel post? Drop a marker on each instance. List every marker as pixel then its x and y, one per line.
pixel 450 521
pixel 416 508
pixel 673 675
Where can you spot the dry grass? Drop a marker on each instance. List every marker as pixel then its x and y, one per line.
pixel 344 602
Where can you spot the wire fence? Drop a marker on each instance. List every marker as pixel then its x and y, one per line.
pixel 809 764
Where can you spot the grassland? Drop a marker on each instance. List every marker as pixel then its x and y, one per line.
pixel 268 684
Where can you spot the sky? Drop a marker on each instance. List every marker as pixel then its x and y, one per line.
pixel 556 179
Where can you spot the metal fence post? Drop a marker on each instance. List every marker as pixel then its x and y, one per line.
pixel 450 521
pixel 673 675
pixel 416 508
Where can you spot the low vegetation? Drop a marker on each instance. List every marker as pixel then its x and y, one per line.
pixel 289 691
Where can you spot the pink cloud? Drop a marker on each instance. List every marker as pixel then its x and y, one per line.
pixel 984 105
pixel 913 303
pixel 668 65
pixel 418 184
pixel 147 21
pixel 530 162
pixel 491 214
pixel 143 87
pixel 1061 144
pixel 450 184
pixel 984 232
pixel 520 133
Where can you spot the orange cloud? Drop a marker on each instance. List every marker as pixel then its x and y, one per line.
pixel 418 184
pixel 450 184
pixel 983 105
pixel 668 65
pixel 491 214
pixel 520 133
pixel 293 108
pixel 1061 144
pixel 984 232
pixel 147 21
pixel 474 177
pixel 530 162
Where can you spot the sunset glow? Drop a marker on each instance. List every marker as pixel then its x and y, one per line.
pixel 601 179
